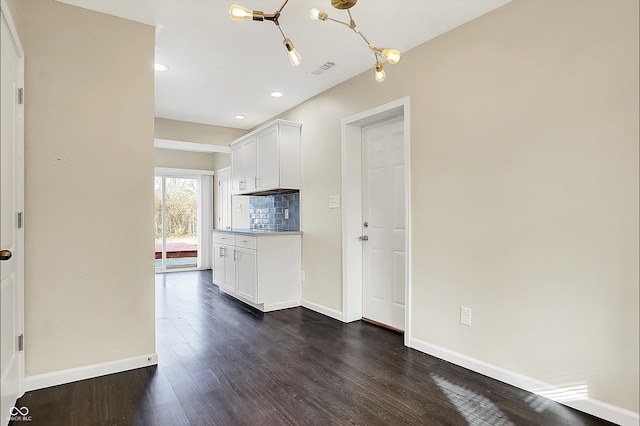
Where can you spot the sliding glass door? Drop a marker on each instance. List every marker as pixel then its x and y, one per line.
pixel 176 222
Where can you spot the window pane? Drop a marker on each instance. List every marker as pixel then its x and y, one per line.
pixel 181 215
pixel 158 220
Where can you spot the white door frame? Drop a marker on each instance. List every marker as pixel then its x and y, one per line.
pixel 223 204
pixel 205 211
pixel 352 208
pixel 5 14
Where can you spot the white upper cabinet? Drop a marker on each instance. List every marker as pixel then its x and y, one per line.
pixel 243 166
pixel 267 159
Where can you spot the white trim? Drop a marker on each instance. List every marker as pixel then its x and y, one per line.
pixel 351 129
pixel 15 38
pixel 583 403
pixel 351 223
pixel 262 307
pixel 205 220
pixel 331 313
pixel 280 305
pixel 269 124
pixel 5 15
pixel 223 204
pixel 61 377
pixel 205 212
pixel 190 146
pixel 169 171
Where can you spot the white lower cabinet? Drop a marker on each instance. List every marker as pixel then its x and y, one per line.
pixel 224 268
pixel 261 270
pixel 246 276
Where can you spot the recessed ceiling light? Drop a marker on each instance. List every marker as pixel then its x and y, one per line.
pixel 161 67
pixel 276 94
pixel 240 117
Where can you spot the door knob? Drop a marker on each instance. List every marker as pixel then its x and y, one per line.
pixel 364 238
pixel 5 254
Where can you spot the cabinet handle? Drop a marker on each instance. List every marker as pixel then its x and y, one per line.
pixel 235 254
pixel 221 251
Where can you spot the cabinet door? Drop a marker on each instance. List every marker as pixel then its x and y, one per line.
pixel 230 269
pixel 249 156
pixel 237 169
pixel 268 159
pixel 246 276
pixel 218 265
pixel 212 262
pixel 224 267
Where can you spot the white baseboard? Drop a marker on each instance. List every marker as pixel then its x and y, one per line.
pixel 594 407
pixel 332 313
pixel 54 378
pixel 281 305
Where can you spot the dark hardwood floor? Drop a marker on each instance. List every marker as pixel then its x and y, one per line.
pixel 222 363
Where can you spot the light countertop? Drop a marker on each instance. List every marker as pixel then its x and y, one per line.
pixel 257 232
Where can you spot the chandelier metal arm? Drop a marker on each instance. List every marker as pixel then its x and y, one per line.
pixel 282 7
pixel 328 18
pixel 273 17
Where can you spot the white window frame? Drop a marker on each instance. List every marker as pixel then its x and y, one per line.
pixel 205 211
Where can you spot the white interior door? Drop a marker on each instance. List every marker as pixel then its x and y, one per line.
pixel 11 199
pixel 383 208
pixel 224 198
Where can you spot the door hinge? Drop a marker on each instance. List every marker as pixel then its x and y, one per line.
pixel 20 96
pixel 21 342
pixel 20 220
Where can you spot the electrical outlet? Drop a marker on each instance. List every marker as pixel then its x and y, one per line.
pixel 286 213
pixel 465 316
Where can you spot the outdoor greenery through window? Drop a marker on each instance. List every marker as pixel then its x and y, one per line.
pixel 176 222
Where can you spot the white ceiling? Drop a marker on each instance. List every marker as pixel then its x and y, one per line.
pixel 220 68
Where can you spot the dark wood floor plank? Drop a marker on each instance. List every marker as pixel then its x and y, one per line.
pixel 222 362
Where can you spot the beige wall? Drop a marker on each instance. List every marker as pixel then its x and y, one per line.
pixel 89 107
pixel 195 132
pixel 524 139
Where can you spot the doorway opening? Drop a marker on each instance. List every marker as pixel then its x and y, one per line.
pixel 176 222
pixel 353 228
pixel 182 220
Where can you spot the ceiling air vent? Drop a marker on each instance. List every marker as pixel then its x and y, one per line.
pixel 323 68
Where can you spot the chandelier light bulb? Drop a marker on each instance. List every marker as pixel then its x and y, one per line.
pixel 294 56
pixel 391 55
pixel 380 75
pixel 318 15
pixel 239 13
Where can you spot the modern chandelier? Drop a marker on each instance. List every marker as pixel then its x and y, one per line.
pixel 391 55
pixel 239 13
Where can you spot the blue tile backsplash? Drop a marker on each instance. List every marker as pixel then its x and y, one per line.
pixel 267 212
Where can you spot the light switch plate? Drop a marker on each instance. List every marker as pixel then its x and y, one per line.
pixel 334 202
